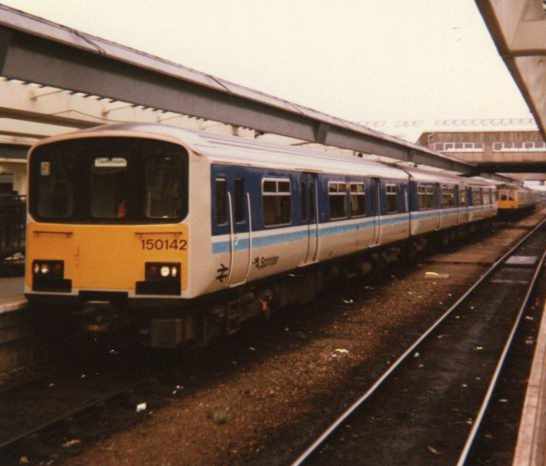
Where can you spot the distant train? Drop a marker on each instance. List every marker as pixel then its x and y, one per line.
pixel 515 199
pixel 202 231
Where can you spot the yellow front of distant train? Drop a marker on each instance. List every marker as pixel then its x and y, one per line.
pixel 514 199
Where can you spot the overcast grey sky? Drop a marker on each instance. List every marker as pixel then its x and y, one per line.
pixel 357 59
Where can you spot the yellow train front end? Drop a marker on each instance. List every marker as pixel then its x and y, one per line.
pixel 106 219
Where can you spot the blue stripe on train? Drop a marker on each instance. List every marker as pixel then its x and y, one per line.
pixel 261 241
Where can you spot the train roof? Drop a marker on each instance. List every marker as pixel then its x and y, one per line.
pixel 232 149
pixel 434 176
pixel 250 152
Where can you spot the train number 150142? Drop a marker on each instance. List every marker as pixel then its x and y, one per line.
pixel 164 244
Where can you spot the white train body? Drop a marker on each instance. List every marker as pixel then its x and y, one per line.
pixel 255 210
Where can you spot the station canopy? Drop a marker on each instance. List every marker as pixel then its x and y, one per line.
pixel 73 65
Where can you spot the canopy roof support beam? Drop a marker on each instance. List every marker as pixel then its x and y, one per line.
pixel 35 50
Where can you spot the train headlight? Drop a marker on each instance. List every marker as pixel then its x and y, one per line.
pixel 48 269
pixel 48 275
pixel 157 271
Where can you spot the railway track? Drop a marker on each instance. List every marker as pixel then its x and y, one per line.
pixel 50 404
pixel 428 406
pixel 89 399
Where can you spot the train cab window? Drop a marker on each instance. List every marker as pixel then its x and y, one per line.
pixel 109 180
pixel 425 194
pixel 221 212
pixel 163 187
pixel 477 196
pixel 448 196
pixel 462 196
pixel 358 201
pixel 110 188
pixel 239 200
pixel 337 199
pixel 55 187
pixel 391 204
pixel 276 202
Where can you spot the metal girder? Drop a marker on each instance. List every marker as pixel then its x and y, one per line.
pixel 61 108
pixel 511 167
pixel 518 28
pixel 39 51
pixel 13 151
pixel 27 129
pixel 529 176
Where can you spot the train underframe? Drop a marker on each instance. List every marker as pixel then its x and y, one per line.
pixel 515 214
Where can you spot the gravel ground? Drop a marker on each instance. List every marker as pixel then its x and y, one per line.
pixel 423 414
pixel 284 384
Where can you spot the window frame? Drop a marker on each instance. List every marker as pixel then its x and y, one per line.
pixel 478 190
pixel 135 150
pixel 447 189
pixel 429 189
pixel 276 193
pixel 463 196
pixel 356 194
pixel 338 193
pixel 396 195
pixel 222 178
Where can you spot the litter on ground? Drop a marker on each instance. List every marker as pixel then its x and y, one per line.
pixel 436 275
pixel 140 407
pixel 71 443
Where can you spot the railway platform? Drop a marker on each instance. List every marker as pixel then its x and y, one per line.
pixel 531 444
pixel 11 294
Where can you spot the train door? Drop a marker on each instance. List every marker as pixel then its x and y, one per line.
pixel 309 214
pixel 240 230
pixel 376 208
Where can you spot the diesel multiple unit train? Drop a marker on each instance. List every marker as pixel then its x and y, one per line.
pixel 514 199
pixel 200 232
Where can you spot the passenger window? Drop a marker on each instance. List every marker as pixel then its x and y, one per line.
pixel 337 196
pixel 391 205
pixel 221 201
pixel 476 196
pixel 487 196
pixel 462 196
pixel 276 202
pixel 239 200
pixel 358 205
pixel 448 196
pixel 425 195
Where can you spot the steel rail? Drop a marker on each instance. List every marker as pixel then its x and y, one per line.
pixel 309 451
pixel 88 404
pixel 494 379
